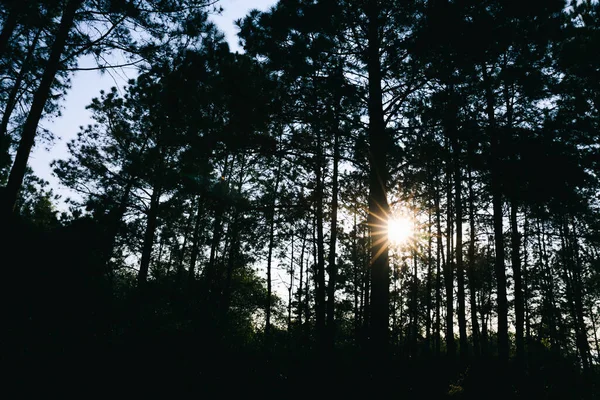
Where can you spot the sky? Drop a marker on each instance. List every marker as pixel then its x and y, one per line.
pixel 85 85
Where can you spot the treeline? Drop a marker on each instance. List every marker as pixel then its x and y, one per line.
pixel 215 178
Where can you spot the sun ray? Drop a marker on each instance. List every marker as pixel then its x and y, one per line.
pixel 379 252
pixel 384 215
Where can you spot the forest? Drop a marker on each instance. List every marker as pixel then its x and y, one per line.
pixel 375 196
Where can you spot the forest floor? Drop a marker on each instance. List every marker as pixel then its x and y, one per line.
pixel 147 369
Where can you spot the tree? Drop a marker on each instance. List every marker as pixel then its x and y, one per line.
pixel 191 15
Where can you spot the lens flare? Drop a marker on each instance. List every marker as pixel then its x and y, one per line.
pixel 400 230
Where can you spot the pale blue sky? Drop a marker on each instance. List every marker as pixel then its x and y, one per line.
pixel 87 85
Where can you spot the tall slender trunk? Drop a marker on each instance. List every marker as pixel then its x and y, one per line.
pixel 448 270
pixel 438 272
pixel 234 250
pixel 498 225
pixel 574 293
pixel 484 325
pixel 516 267
pixel 234 234
pixel 151 224
pixel 547 278
pixel 515 245
pixel 115 219
pixel 580 293
pixel 181 258
pixel 307 311
pixel 526 283
pixel 195 243
pixel 414 311
pixel 356 278
pixel 429 277
pixel 332 244
pixel 378 204
pixel 11 101
pixel 290 290
pixel 320 303
pixel 471 270
pixel 219 195
pixel 460 274
pixel 367 288
pixel 400 340
pixel 222 255
pixel 211 267
pixel 271 221
pixel 161 248
pixel 362 268
pixel 394 300
pixel 300 288
pixel 594 320
pixel 568 280
pixel 17 172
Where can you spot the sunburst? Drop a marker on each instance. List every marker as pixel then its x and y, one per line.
pixel 400 230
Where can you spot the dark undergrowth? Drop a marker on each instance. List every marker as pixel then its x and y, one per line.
pixel 67 328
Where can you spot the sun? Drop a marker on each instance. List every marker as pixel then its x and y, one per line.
pixel 400 230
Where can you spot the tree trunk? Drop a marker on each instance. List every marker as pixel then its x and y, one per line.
pixel 574 294
pixel 11 101
pixel 211 267
pixel 367 288
pixel 471 271
pixel 414 312
pixel 484 327
pixel 234 250
pixel 290 291
pixel 498 225
pixel 161 248
pixel 547 277
pixel 429 277
pixel 320 303
pixel 400 341
pixel 460 274
pixel 149 235
pixel 526 283
pixel 568 280
pixel 448 270
pixel 578 297
pixel 307 311
pixel 378 204
pixel 299 310
pixel 356 280
pixel 515 244
pixel 17 172
pixel 394 300
pixel 271 222
pixel 332 244
pixel 186 234
pixel 516 267
pixel 114 221
pixel 438 272
pixel 195 243
pixel 594 320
